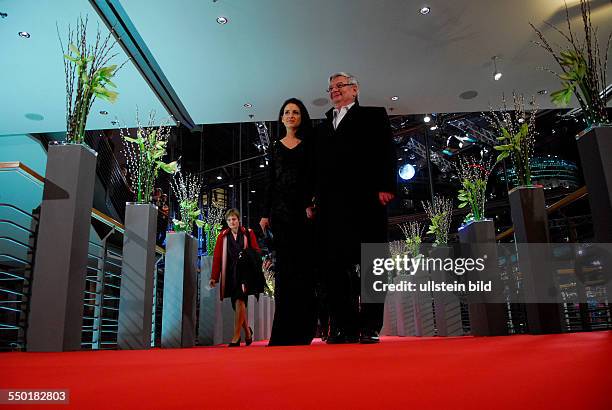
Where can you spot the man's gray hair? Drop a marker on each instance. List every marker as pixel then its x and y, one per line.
pixel 351 78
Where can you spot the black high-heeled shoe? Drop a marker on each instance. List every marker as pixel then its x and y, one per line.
pixel 234 344
pixel 249 340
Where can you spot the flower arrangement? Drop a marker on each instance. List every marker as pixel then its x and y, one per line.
pixel 413 237
pixel 88 76
pixel 212 227
pixel 440 214
pixel 517 132
pixel 144 156
pixel 474 176
pixel 187 189
pixel 583 73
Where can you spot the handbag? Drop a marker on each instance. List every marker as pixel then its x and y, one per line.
pixel 250 269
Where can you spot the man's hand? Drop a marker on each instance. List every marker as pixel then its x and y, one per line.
pixel 212 283
pixel 265 224
pixel 385 197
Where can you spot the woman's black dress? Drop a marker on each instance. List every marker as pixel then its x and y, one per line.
pixel 285 205
pixel 234 280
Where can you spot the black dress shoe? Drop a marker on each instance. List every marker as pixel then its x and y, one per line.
pixel 234 344
pixel 369 337
pixel 336 338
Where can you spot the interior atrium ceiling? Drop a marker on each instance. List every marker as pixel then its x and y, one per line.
pixel 270 50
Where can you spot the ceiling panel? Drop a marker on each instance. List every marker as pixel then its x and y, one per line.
pixel 271 50
pixel 33 73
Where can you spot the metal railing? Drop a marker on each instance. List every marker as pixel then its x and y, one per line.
pixel 103 280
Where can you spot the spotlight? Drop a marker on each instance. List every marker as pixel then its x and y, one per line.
pixel 426 118
pixel 433 127
pixel 521 120
pixel 231 185
pixel 103 112
pixel 406 172
pixel 247 105
pixel 394 98
pixel 425 10
pixel 496 73
pixel 24 34
pixel 222 20
pixel 253 191
pixel 219 177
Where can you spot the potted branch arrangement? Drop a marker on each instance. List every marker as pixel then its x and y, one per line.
pixel 413 309
pixel 66 218
pixel 447 306
pixel 477 237
pixel 212 227
pixel 583 68
pixel 440 214
pixel 583 72
pixel 474 176
pixel 180 276
pixel 413 232
pixel 516 133
pixel 187 189
pixel 88 76
pixel 145 153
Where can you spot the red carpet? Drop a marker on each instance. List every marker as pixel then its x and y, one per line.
pixel 568 371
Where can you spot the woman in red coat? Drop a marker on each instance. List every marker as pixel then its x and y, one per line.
pixel 230 243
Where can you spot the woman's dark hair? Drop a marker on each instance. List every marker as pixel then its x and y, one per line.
pixel 305 128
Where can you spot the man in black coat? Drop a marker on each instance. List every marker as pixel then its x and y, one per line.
pixel 354 178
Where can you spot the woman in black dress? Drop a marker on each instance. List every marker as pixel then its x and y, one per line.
pixel 285 214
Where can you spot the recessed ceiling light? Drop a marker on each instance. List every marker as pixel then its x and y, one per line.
pixel 405 149
pixel 253 191
pixel 262 166
pixel 425 10
pixel 103 112
pixel 426 118
pixel 433 127
pixel 496 73
pixel 24 34
pixel 247 105
pixel 543 92
pixel 34 116
pixel 222 20
pixel 394 98
pixel 231 185
pixel 219 177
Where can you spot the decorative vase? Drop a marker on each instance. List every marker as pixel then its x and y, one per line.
pixel 486 318
pixel 136 297
pixel 180 291
pixel 60 264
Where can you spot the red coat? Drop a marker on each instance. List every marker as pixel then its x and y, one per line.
pixel 219 265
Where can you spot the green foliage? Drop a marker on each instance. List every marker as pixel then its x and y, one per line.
pixel 474 175
pixel 212 232
pixel 88 76
pixel 436 228
pixel 189 211
pixel 517 147
pixel 145 153
pixel 583 66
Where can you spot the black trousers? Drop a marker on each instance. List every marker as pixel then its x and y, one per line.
pixel 347 313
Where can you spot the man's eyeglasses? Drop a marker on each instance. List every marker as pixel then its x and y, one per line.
pixel 338 86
